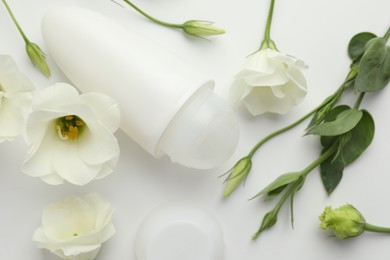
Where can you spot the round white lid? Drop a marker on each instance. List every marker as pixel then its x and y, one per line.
pixel 179 232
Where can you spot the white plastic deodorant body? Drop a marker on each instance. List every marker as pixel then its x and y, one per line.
pixel 166 106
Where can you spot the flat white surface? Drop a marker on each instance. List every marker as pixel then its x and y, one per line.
pixel 316 31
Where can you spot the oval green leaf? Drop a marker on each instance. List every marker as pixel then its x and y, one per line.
pixel 344 122
pixel 331 173
pixel 328 141
pixel 357 43
pixel 374 67
pixel 361 137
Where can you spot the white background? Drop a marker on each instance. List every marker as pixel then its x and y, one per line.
pixel 316 31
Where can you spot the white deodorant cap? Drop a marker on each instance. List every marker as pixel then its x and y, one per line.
pixel 166 106
pixel 179 232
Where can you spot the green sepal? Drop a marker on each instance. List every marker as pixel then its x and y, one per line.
pixel 321 114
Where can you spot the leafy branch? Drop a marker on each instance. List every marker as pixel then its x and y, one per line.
pixel 345 132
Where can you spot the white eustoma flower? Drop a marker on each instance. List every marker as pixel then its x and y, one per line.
pixel 269 81
pixel 16 92
pixel 71 136
pixel 75 228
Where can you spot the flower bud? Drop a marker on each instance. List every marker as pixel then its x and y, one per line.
pixel 268 221
pixel 237 174
pixel 37 57
pixel 201 29
pixel 345 221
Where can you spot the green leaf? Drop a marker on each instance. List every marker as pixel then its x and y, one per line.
pixel 327 141
pixel 374 68
pixel 279 183
pixel 357 43
pixel 331 173
pixel 344 122
pixel 361 137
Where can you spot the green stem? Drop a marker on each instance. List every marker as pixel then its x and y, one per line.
pixel 171 25
pixel 305 172
pixel 372 228
pixel 280 131
pixel 359 100
pixel 267 41
pixel 320 159
pixel 16 22
pixel 284 129
pixel 286 195
pixel 387 35
pixel 267 33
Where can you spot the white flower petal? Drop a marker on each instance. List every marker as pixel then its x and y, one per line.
pixel 53 179
pixel 278 91
pixel 68 164
pixel 94 150
pixel 100 235
pixel 263 100
pixel 297 77
pixel 11 120
pixel 103 209
pixel 12 80
pixel 270 81
pixel 287 59
pixel 79 252
pixel 107 168
pixel 39 163
pixel 68 219
pixel 106 109
pixel 239 90
pixel 41 240
pixel 15 99
pixel 259 62
pixel 38 123
pixel 59 94
pixel 75 227
pixel 279 77
pixel 97 146
pixel 294 92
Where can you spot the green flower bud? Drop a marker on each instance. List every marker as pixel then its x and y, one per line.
pixel 201 28
pixel 269 220
pixel 237 174
pixel 37 57
pixel 345 221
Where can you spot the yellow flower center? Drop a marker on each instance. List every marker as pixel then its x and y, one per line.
pixel 69 127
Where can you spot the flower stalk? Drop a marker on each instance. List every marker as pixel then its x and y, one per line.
pixel 376 229
pixel 194 28
pixel 294 186
pixel 34 52
pixel 232 181
pixel 267 41
pixel 345 132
